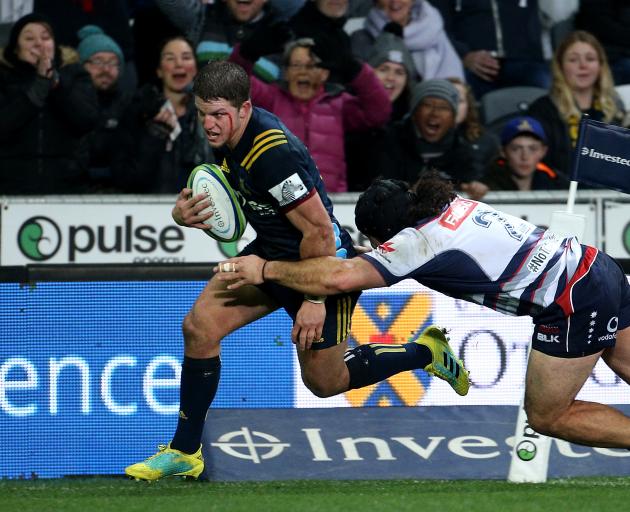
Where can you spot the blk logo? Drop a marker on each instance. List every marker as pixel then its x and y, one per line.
pixel 548 338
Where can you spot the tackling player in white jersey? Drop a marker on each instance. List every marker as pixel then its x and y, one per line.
pixel 577 296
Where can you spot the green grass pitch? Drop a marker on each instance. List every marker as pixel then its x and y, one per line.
pixel 174 495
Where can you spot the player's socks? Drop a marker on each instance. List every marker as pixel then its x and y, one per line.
pixel 375 362
pixel 199 382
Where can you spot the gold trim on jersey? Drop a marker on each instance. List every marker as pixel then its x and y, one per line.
pixel 262 142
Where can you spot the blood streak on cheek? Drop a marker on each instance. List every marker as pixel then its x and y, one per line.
pixel 231 123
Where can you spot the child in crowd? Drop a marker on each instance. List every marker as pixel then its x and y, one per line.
pixel 520 165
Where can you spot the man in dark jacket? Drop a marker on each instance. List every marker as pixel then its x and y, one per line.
pixel 427 139
pixel 214 28
pixel 103 59
pixel 499 42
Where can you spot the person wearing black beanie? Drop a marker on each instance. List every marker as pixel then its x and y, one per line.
pixel 45 108
pixel 10 52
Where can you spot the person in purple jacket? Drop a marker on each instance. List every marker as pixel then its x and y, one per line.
pixel 319 112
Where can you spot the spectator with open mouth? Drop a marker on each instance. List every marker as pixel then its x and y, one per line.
pixel 160 140
pixel 315 110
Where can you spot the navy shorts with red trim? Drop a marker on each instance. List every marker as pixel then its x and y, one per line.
pixel 586 317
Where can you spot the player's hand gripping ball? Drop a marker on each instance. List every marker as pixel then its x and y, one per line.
pixel 228 222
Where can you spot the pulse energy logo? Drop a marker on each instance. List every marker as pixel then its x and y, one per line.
pixel 39 238
pixel 526 450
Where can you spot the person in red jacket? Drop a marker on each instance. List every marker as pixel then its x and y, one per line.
pixel 317 111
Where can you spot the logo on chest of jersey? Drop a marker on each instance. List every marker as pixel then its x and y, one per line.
pixel 457 213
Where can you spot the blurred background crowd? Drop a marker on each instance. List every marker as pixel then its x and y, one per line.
pixel 95 95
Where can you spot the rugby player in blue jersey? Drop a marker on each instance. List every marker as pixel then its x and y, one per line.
pixel 577 296
pixel 284 200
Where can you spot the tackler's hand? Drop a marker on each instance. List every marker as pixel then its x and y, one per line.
pixel 187 210
pixel 241 270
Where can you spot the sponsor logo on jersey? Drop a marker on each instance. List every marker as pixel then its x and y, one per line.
pixel 386 247
pixel 289 190
pixel 457 213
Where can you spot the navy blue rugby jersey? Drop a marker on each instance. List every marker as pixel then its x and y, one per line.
pixel 273 172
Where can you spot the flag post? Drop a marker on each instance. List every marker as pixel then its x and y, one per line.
pixel 566 223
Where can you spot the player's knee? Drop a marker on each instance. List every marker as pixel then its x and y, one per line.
pixel 198 337
pixel 321 388
pixel 543 422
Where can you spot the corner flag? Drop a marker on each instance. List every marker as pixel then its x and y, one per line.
pixel 602 155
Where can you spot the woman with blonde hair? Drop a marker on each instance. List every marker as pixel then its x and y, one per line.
pixel 581 84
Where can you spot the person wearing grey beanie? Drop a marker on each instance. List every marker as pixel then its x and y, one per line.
pixel 436 88
pixel 427 139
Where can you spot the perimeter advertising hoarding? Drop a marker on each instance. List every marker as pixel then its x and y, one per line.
pixel 617 228
pixel 114 232
pixel 90 370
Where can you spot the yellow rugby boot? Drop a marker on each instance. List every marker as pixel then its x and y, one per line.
pixel 167 462
pixel 444 364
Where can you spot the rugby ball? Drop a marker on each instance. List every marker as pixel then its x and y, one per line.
pixel 228 222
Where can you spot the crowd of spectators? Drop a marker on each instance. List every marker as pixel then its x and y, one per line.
pixel 95 96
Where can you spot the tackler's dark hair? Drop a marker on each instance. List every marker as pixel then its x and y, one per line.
pixel 384 209
pixel 388 206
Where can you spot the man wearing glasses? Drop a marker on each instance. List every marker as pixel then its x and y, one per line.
pixel 103 59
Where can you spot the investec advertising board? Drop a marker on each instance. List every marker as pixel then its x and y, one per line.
pixel 113 232
pixel 95 366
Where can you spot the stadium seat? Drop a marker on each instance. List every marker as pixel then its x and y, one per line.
pixel 624 93
pixel 508 101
